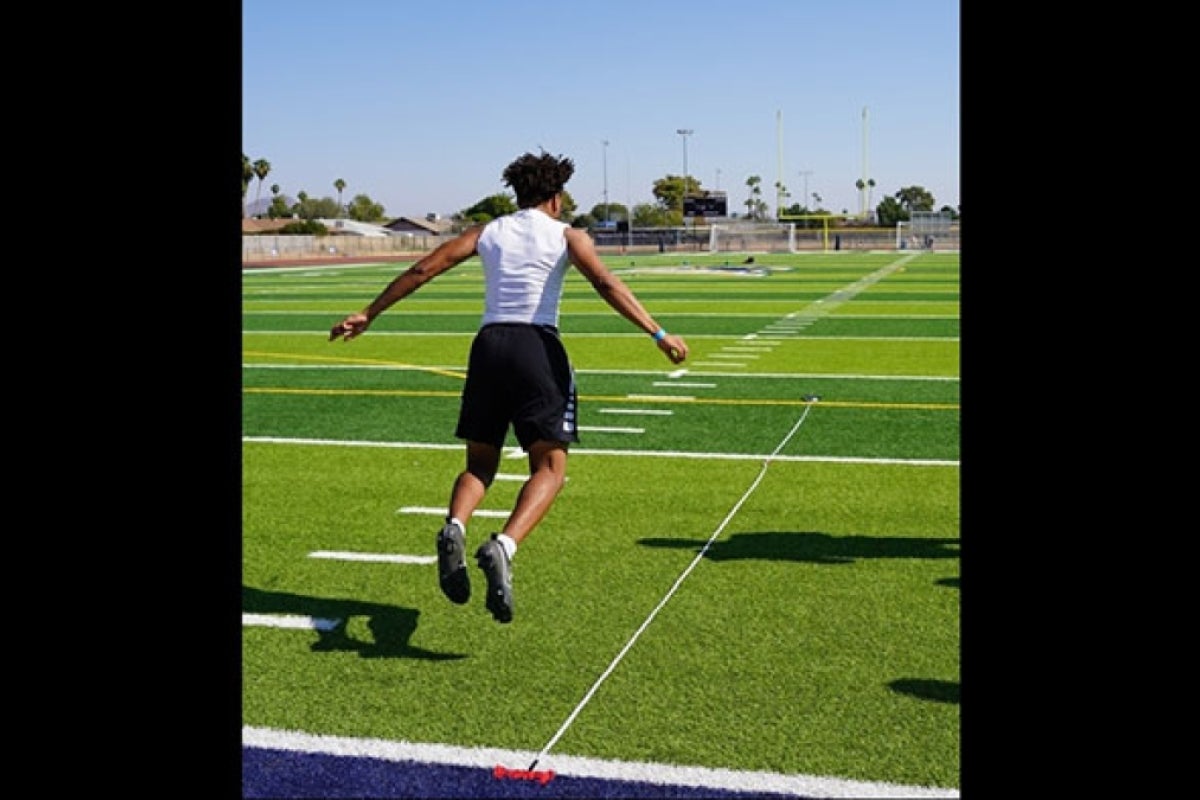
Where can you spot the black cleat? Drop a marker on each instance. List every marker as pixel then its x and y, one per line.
pixel 452 564
pixel 498 570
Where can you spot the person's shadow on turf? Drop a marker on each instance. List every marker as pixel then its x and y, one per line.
pixel 926 689
pixel 813 547
pixel 822 548
pixel 391 626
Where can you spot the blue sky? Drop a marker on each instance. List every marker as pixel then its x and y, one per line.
pixel 420 105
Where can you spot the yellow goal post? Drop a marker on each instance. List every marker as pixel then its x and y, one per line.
pixel 822 229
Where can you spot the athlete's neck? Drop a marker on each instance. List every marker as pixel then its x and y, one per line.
pixel 552 207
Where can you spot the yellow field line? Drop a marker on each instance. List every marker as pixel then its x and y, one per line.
pixel 342 359
pixel 617 399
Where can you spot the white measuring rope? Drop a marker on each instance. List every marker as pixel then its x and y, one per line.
pixel 754 485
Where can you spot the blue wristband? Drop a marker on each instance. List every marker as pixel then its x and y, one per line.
pixel 659 335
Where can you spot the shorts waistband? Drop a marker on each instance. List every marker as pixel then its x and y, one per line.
pixel 548 328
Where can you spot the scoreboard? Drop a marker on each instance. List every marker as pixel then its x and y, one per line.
pixel 710 205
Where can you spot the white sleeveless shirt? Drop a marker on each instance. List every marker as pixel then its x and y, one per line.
pixel 524 261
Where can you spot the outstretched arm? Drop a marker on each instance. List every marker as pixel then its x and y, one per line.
pixel 442 258
pixel 583 255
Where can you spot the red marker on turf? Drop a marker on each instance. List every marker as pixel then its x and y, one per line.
pixel 542 776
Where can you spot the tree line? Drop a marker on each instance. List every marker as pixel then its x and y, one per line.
pixel 665 212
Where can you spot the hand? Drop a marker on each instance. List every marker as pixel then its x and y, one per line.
pixel 675 348
pixel 350 327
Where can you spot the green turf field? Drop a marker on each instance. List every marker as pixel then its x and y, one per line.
pixel 818 633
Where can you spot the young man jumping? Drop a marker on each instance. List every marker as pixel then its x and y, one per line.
pixel 518 372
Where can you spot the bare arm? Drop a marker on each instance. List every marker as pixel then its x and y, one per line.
pixel 443 257
pixel 583 255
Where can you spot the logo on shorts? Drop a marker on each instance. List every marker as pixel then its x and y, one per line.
pixel 569 413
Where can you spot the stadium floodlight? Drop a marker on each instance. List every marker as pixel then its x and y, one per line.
pixel 684 132
pixel 605 142
pixel 804 173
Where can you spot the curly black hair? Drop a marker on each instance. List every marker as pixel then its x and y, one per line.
pixel 536 179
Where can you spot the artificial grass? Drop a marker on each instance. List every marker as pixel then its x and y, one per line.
pixel 818 634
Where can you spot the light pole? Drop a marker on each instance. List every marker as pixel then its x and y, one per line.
pixel 606 184
pixel 628 202
pixel 684 132
pixel 804 173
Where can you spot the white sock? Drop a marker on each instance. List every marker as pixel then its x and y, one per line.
pixel 456 521
pixel 510 546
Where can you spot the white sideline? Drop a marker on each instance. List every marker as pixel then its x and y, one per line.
pixel 579 767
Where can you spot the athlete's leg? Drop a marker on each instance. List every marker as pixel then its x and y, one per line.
pixel 469 488
pixel 472 483
pixel 547 472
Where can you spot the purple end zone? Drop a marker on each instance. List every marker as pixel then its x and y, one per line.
pixel 285 773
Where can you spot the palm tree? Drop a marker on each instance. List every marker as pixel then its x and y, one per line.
pixel 752 202
pixel 262 168
pixel 339 184
pixel 247 176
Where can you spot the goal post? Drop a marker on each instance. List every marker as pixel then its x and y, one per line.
pixel 922 229
pixel 818 232
pixel 751 237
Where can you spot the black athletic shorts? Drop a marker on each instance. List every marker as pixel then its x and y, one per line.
pixel 518 374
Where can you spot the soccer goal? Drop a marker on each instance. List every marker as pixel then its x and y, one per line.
pixel 752 237
pixel 812 231
pixel 923 230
